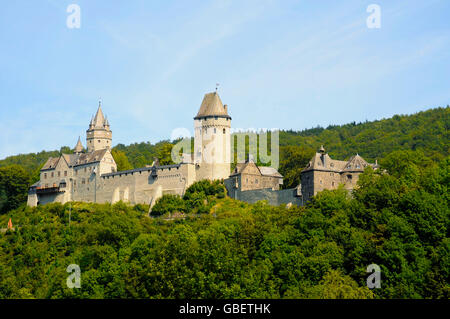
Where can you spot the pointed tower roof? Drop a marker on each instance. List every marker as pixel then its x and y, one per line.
pixel 99 118
pixel 79 147
pixel 212 106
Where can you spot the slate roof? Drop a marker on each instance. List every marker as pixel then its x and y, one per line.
pixel 269 171
pixel 212 106
pixel 75 159
pixel 51 163
pixel 264 170
pixel 323 162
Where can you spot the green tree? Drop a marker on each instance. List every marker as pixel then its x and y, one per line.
pixel 168 204
pixel 121 160
pixel 164 154
pixel 293 160
pixel 14 183
pixel 335 285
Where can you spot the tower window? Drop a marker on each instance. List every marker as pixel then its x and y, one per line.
pixel 223 131
pixel 215 131
pixel 99 141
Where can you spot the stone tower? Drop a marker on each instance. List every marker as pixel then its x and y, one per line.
pixel 212 139
pixel 99 135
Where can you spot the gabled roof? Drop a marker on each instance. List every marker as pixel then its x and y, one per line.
pixel 92 157
pixel 51 163
pixel 76 159
pixel 263 170
pixel 269 171
pixel 356 163
pixel 212 106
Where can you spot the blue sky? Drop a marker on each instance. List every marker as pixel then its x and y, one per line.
pixel 280 64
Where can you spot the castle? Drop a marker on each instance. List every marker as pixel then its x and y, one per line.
pixel 92 176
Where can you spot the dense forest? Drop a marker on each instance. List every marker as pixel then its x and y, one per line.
pixel 206 245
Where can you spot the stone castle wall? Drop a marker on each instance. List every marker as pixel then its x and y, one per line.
pixel 273 197
pixel 139 186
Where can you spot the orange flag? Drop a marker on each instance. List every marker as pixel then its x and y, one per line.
pixel 10 224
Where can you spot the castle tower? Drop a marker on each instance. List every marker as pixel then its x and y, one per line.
pixel 212 139
pixel 99 134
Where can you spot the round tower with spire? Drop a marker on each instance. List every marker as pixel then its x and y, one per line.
pixel 99 134
pixel 212 139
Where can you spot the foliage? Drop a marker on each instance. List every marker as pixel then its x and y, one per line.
pixel 168 204
pixel 293 159
pixel 14 183
pixel 121 160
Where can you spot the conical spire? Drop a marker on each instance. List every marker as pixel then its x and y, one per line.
pixel 99 118
pixel 79 147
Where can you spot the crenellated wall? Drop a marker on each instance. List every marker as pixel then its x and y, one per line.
pixel 142 185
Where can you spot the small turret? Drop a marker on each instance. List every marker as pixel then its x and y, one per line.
pixel 79 147
pixel 106 123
